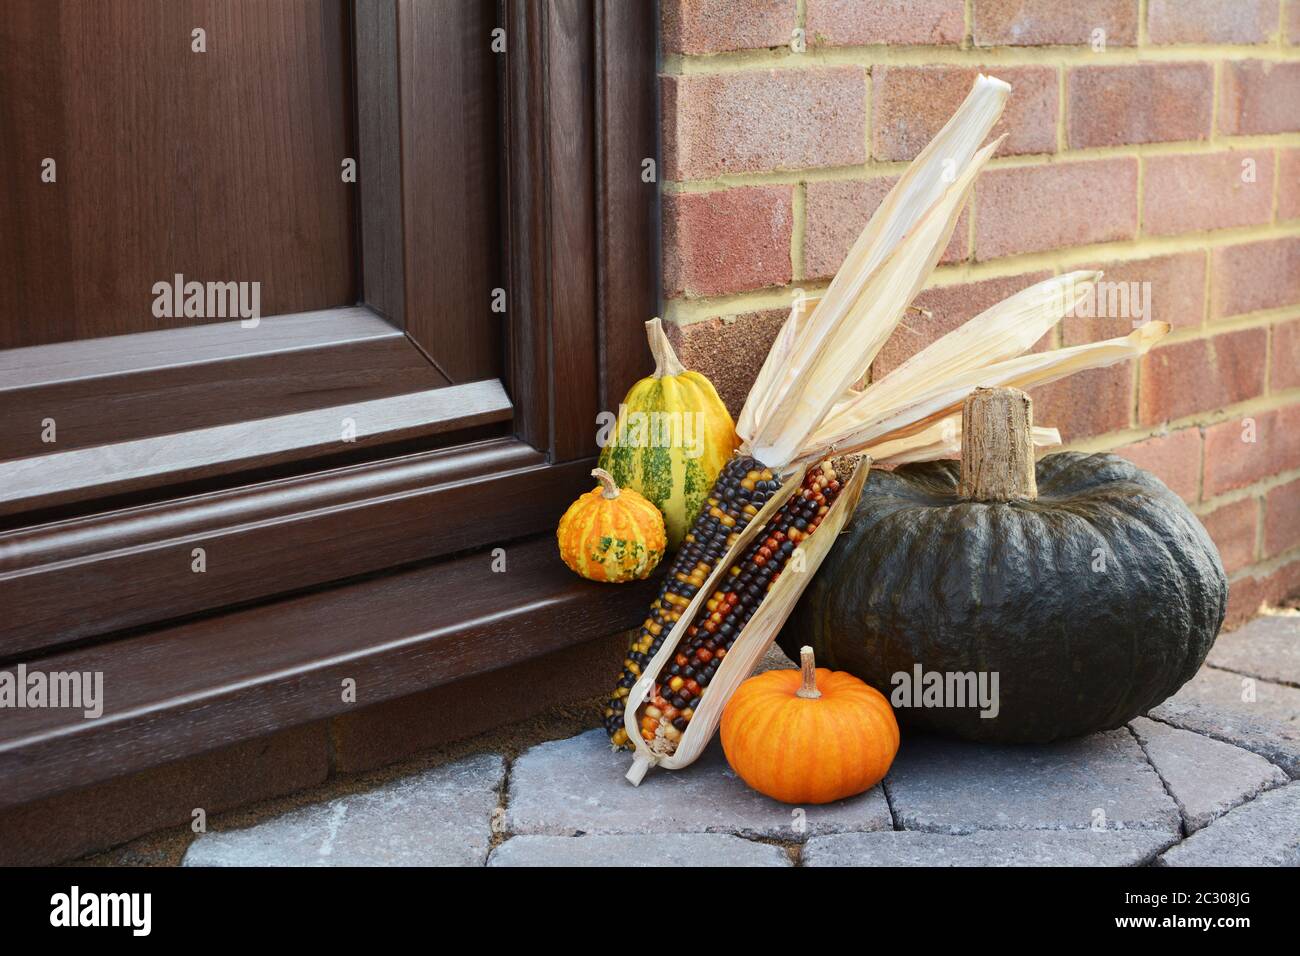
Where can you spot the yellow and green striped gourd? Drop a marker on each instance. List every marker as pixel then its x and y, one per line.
pixel 672 438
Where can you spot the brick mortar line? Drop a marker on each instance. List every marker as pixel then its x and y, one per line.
pixel 1254 492
pixel 1062 110
pixel 1107 441
pixel 1140 203
pixel 1277 184
pixel 685 310
pixel 971 214
pixel 1259 319
pixel 1216 98
pixel 1071 56
pixel 1255 406
pixel 1264 568
pixel 874 168
pixel 1069 257
pixel 1152 245
pixel 1268 356
pixel 1259 517
pixel 1208 302
pixel 869 120
pixel 1135 405
pixel 798 231
pixel 1201 462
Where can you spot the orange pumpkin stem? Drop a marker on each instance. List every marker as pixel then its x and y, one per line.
pixel 608 487
pixel 808 690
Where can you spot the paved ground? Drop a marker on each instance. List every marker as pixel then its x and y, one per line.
pixel 1211 777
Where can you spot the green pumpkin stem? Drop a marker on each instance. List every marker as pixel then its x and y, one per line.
pixel 608 487
pixel 808 689
pixel 997 446
pixel 666 360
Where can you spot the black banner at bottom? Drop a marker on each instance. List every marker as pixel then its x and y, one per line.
pixel 333 906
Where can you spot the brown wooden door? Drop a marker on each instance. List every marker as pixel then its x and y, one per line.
pixel 219 514
pixel 451 262
pixel 130 157
pixel 186 185
pixel 241 241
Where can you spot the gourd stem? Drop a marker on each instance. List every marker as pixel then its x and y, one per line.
pixel 808 689
pixel 997 446
pixel 608 487
pixel 666 360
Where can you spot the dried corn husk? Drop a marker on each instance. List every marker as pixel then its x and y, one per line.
pixel 773 365
pixel 942 440
pixel 1001 332
pixel 881 274
pixel 914 413
pixel 828 358
pixel 758 634
pixel 802 407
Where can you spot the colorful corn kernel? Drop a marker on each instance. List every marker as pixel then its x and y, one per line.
pixel 704 646
pixel 743 487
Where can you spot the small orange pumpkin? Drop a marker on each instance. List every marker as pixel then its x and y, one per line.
pixel 809 736
pixel 611 535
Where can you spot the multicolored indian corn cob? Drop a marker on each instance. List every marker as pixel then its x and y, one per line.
pixel 704 645
pixel 706 642
pixel 742 488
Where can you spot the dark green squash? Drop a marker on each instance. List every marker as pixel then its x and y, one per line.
pixel 1093 601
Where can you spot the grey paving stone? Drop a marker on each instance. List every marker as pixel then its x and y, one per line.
pixel 957 787
pixel 1264 832
pixel 774 660
pixel 639 850
pixel 441 817
pixel 574 786
pixel 1211 704
pixel 1267 647
pixel 989 848
pixel 1206 777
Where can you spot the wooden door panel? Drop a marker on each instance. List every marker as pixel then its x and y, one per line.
pixel 450 156
pixel 128 387
pixel 428 115
pixel 223 165
pixel 89 576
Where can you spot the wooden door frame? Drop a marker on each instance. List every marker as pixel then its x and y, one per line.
pixel 107 547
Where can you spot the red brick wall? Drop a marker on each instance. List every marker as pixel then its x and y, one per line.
pixel 1132 126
